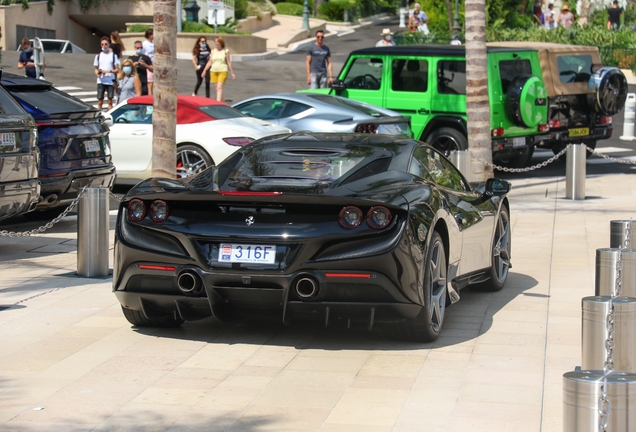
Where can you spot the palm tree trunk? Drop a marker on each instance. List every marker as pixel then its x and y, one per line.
pixel 477 103
pixel 451 11
pixel 585 12
pixel 164 116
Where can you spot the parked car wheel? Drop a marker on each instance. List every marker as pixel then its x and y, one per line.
pixel 501 251
pixel 138 319
pixel 426 326
pixel 191 159
pixel 446 140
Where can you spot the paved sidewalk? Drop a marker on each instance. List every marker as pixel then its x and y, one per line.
pixel 70 361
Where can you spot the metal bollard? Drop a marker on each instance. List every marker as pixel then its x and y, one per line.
pixel 575 172
pixel 583 401
pixel 92 233
pixel 630 114
pixel 619 233
pixel 594 333
pixel 461 160
pixel 605 279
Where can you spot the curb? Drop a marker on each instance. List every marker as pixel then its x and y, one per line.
pixel 255 56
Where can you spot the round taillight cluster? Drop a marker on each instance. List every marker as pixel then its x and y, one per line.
pixel 366 128
pixel 158 210
pixel 351 217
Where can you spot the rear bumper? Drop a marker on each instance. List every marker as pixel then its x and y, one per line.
pixel 60 190
pixel 562 136
pixel 18 197
pixel 506 148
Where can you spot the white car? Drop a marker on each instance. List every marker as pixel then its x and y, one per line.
pixel 207 132
pixel 58 46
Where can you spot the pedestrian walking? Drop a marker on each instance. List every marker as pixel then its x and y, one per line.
pixel 318 63
pixel 550 22
pixel 418 20
pixel 200 58
pixel 149 51
pixel 566 19
pixel 219 64
pixel 129 84
pixel 387 38
pixel 143 64
pixel 27 59
pixel 614 14
pixel 106 66
pixel 116 44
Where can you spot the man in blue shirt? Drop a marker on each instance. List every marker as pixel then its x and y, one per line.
pixel 26 61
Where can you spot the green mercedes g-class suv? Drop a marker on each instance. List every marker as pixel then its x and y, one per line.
pixel 428 84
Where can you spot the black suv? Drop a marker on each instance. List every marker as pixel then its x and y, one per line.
pixel 72 138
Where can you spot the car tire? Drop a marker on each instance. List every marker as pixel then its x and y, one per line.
pixel 191 160
pixel 447 139
pixel 426 326
pixel 501 251
pixel 526 101
pixel 137 318
pixel 611 90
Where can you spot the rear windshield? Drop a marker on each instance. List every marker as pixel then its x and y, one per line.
pixel 220 112
pixel 49 100
pixel 574 68
pixel 8 106
pixel 511 69
pixel 53 46
pixel 269 166
pixel 347 103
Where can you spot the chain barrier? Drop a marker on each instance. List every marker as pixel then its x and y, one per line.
pixel 628 235
pixel 115 197
pixel 549 161
pixel 40 230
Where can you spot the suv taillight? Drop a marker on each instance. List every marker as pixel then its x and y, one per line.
pixel 544 128
pixel 606 120
pixel 554 124
pixel 497 132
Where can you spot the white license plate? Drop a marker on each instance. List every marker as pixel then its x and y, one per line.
pixel 92 146
pixel 7 139
pixel 247 253
pixel 518 142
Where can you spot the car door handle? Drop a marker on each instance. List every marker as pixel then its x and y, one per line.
pixel 140 132
pixel 461 220
pixel 423 111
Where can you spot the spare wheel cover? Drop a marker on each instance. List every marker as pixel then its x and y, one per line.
pixel 533 102
pixel 611 90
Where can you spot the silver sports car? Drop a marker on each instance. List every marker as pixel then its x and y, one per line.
pixel 302 112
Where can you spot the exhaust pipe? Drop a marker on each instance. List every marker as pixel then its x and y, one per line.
pixel 189 282
pixel 306 288
pixel 48 200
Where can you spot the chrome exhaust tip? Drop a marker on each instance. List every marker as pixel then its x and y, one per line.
pixel 306 288
pixel 189 282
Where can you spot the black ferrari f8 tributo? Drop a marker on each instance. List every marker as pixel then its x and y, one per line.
pixel 362 227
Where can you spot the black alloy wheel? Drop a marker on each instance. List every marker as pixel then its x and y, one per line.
pixel 501 253
pixel 446 140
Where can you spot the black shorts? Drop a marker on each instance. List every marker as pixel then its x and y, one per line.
pixel 109 89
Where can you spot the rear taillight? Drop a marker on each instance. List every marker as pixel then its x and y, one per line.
pixel 544 128
pixel 350 217
pixel 554 124
pixel 606 120
pixel 249 193
pixel 52 123
pixel 159 211
pixel 497 132
pixel 238 141
pixel 378 217
pixel 366 128
pixel 136 210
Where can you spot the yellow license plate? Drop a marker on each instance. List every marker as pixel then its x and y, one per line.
pixel 579 132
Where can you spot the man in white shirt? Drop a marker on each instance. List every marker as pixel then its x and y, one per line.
pixel 106 68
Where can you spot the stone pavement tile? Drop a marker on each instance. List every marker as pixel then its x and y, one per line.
pixel 330 380
pixel 505 362
pixel 433 408
pixel 140 365
pixel 220 356
pixel 514 327
pixel 170 396
pixel 511 339
pixel 209 420
pixel 97 391
pixel 454 344
pixel 501 392
pixel 268 357
pixel 28 392
pixel 54 414
pixel 516 377
pixel 431 380
pixel 552 417
pixel 259 371
pixel 384 382
pixel 143 417
pixel 512 350
pixel 377 407
pixel 184 373
pixel 495 417
pixel 392 365
pixel 300 397
pixel 327 363
pixel 167 347
pixel 279 418
pixel 333 427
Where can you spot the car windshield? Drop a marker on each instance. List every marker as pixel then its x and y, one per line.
pixel 49 100
pixel 273 166
pixel 53 46
pixel 220 112
pixel 347 103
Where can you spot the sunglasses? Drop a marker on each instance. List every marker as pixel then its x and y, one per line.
pixel 104 44
pixel 320 37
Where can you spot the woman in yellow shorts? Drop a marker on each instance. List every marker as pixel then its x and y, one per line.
pixel 219 64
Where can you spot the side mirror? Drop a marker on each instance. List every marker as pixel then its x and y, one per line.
pixel 338 86
pixel 108 120
pixel 497 187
